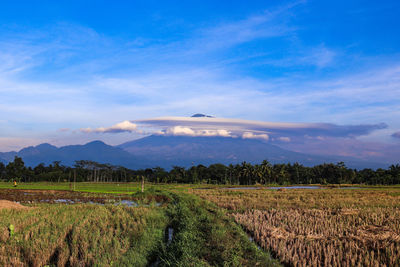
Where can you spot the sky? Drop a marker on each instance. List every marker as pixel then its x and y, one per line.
pixel 70 70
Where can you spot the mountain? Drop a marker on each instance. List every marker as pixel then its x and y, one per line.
pixel 7 156
pixel 199 115
pixel 167 151
pixel 96 151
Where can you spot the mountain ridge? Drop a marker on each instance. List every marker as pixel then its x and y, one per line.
pixel 227 150
pixel 95 150
pixel 168 151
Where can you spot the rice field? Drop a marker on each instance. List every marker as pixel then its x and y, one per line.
pixel 164 228
pixel 80 235
pixel 327 227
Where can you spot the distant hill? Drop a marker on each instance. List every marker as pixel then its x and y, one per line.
pixel 96 151
pixel 7 156
pixel 185 150
pixel 167 151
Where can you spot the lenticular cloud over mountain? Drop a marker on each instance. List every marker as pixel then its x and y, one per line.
pixel 313 138
pixel 200 125
pixel 284 131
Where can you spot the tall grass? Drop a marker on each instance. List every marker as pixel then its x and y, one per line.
pixel 81 235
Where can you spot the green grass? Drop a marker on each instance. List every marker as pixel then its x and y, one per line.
pixel 204 236
pixel 110 188
pixel 120 188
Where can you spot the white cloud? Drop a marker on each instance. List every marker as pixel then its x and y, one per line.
pixel 250 135
pixel 284 139
pixel 187 131
pixel 125 126
pixel 179 130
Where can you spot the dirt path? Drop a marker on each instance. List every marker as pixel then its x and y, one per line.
pixel 5 204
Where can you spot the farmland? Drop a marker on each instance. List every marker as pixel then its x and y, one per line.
pixel 161 227
pixel 303 227
pixel 115 224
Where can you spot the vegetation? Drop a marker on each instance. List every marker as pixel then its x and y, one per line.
pixel 206 237
pixel 243 174
pixel 330 227
pixel 117 235
pixel 80 235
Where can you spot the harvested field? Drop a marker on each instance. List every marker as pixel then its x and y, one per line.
pixel 186 231
pixel 319 228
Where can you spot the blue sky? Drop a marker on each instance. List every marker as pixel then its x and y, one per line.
pixel 68 65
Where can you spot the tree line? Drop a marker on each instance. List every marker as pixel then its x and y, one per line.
pixel 240 174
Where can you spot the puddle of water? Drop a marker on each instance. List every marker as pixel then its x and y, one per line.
pixel 170 235
pixel 128 203
pixel 155 263
pixel 131 203
pixel 297 187
pixel 66 201
pixel 252 240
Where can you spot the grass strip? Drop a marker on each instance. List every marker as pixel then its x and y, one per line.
pixel 204 236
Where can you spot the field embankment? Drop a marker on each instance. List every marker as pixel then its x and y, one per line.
pixel 205 236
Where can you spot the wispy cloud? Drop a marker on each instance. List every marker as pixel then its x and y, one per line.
pixel 319 56
pixel 229 34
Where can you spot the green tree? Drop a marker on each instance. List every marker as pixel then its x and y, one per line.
pixel 16 169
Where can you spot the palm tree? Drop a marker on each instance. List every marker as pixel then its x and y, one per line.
pixel 266 169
